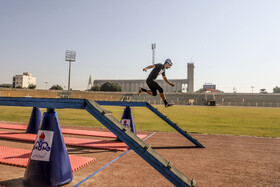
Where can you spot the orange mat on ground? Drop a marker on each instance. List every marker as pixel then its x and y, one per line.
pixel 71 131
pixel 20 157
pixel 79 142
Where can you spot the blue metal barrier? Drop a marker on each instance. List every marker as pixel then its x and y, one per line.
pixel 143 149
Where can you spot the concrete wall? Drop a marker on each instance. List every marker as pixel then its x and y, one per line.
pixel 9 92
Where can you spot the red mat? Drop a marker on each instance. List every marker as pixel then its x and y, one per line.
pixel 20 157
pixel 79 142
pixel 71 131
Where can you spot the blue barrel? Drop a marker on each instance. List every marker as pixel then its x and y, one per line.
pixel 49 163
pixel 34 121
pixel 127 120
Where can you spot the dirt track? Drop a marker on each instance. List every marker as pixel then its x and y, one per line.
pixel 226 161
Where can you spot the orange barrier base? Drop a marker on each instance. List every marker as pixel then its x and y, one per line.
pixel 20 157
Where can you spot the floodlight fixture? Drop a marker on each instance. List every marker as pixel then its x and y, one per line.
pixel 70 56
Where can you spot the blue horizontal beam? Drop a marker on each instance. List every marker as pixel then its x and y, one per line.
pixel 43 102
pixel 122 103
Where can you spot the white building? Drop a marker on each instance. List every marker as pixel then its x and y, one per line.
pixel 24 80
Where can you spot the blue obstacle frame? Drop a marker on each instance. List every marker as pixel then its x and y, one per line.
pixel 143 149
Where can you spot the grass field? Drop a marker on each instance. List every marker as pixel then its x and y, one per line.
pixel 263 122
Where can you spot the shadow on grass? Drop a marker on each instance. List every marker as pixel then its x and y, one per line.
pixel 80 150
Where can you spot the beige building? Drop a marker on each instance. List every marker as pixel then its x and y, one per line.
pixel 180 85
pixel 24 80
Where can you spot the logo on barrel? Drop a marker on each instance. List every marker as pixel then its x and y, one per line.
pixel 126 122
pixel 42 147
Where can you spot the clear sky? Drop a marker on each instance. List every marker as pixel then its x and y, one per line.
pixel 232 43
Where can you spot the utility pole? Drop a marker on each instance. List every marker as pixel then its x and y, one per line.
pixel 69 75
pixel 153 48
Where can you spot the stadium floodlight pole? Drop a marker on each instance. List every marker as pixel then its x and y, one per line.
pixel 153 48
pixel 69 75
pixel 71 57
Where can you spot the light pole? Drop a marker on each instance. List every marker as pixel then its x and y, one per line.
pixel 153 48
pixel 252 89
pixel 69 75
pixel 71 57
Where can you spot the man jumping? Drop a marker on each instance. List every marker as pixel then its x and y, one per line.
pixel 151 80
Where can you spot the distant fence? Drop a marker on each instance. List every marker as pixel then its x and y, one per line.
pixel 246 100
pixel 186 102
pixel 251 104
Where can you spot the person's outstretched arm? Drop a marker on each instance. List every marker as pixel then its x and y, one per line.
pixel 149 67
pixel 166 80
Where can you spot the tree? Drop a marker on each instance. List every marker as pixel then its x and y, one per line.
pixel 31 86
pixel 56 87
pixel 276 89
pixel 263 91
pixel 113 87
pixel 5 86
pixel 201 90
pixel 95 88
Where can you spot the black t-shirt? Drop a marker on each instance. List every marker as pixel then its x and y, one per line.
pixel 158 69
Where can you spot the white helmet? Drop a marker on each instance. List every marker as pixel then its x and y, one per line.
pixel 169 62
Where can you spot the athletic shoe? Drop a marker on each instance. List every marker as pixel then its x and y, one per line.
pixel 140 91
pixel 168 105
